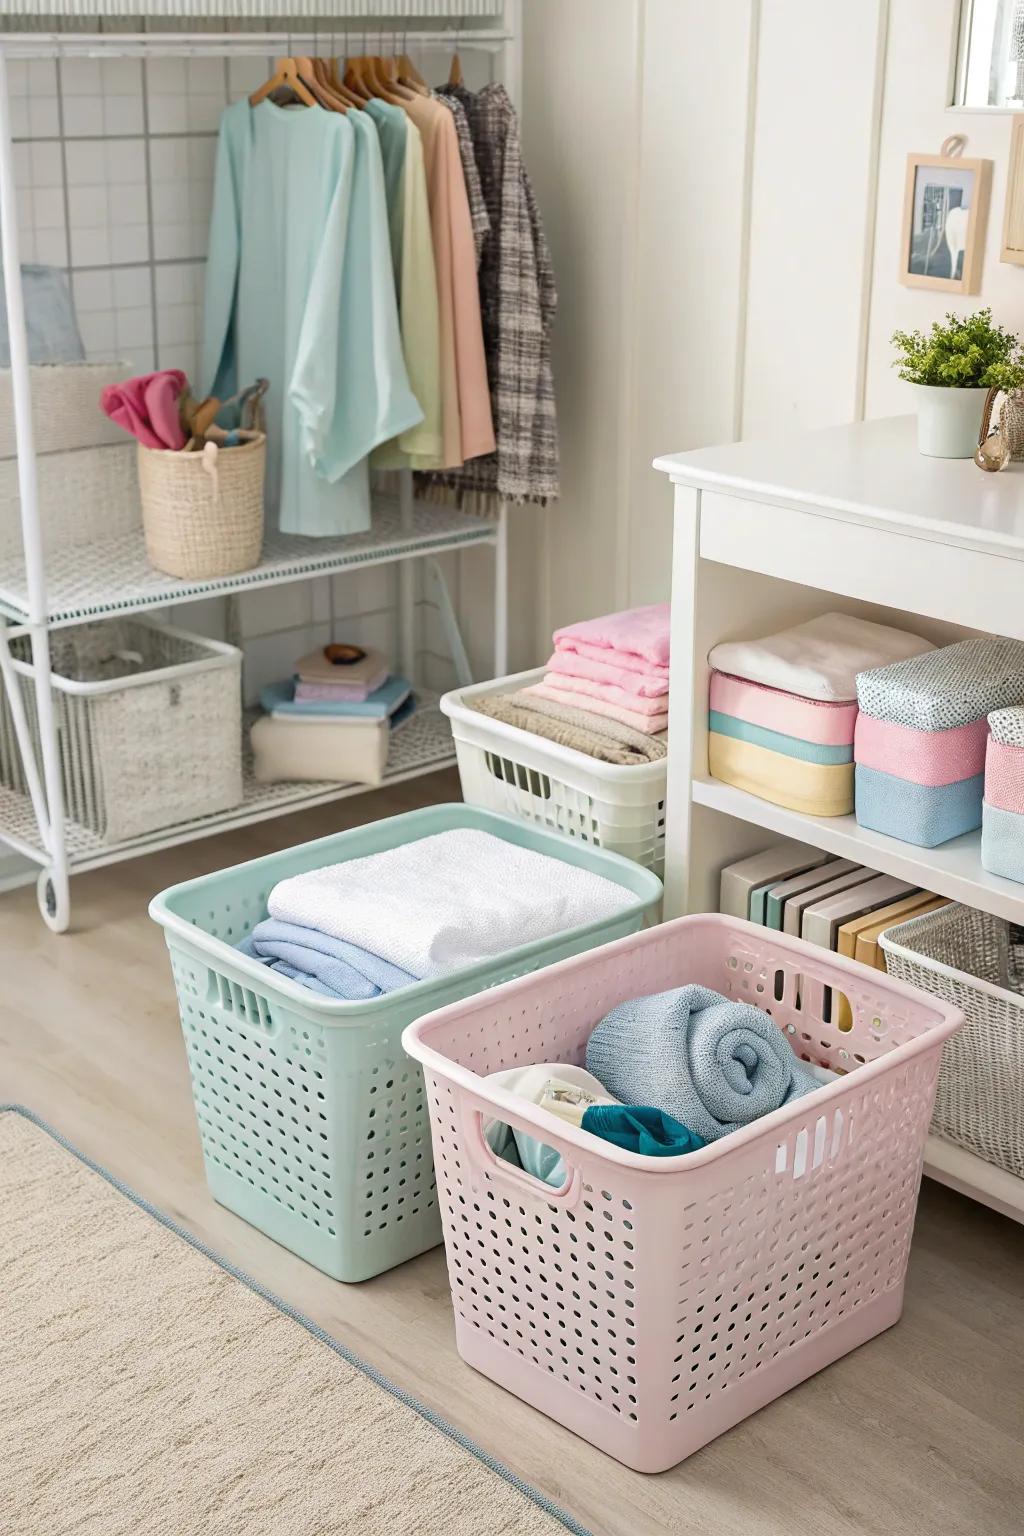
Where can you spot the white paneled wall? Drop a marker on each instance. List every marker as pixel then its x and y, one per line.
pixel 727 193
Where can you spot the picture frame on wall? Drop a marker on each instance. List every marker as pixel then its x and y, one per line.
pixel 945 214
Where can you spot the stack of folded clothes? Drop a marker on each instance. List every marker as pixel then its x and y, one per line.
pixel 665 1076
pixel 424 909
pixel 604 692
pixel 332 720
pixel 783 709
pixel 1002 825
pixel 922 733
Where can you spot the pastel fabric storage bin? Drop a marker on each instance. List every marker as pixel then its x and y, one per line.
pixel 611 805
pixel 966 958
pixel 649 1304
pixel 921 735
pixel 1002 824
pixel 313 1122
pixel 793 751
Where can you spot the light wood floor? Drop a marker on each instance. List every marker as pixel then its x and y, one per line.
pixel 919 1432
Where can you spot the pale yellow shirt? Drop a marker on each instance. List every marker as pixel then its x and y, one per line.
pixel 421 447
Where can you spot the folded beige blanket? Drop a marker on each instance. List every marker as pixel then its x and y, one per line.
pixel 597 735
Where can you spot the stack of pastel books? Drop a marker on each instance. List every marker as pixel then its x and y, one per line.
pixel 332 720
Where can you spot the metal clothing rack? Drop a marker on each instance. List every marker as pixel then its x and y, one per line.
pixel 44 592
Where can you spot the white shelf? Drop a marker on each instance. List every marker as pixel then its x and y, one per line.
pixel 972 1176
pixel 952 870
pixel 422 745
pixel 113 576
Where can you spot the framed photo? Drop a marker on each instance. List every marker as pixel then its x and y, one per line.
pixel 945 212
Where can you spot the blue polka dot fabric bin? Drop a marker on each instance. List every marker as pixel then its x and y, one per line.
pixel 313 1120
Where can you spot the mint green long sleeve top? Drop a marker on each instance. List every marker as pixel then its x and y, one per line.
pixel 300 290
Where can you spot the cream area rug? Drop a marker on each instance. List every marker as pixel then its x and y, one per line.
pixel 148 1389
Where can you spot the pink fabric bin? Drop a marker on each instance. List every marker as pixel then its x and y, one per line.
pixel 1004 777
pixel 652 1303
pixel 828 724
pixel 921 757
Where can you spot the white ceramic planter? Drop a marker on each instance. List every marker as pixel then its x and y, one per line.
pixel 948 420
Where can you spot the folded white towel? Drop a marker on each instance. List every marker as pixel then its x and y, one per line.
pixel 447 901
pixel 819 659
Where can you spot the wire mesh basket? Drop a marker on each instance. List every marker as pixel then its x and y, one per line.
pixel 149 724
pixel 970 959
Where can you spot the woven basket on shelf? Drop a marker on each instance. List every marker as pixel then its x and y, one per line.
pixel 203 513
pixel 1011 423
pixel 970 959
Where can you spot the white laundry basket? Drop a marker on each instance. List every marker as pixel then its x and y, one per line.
pixel 614 806
pixel 149 724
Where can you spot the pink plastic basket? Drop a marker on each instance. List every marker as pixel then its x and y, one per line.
pixel 651 1303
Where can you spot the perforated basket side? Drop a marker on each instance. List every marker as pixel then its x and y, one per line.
pixel 651 1303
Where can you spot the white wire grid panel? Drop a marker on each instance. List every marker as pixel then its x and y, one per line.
pixel 113 575
pixel 423 744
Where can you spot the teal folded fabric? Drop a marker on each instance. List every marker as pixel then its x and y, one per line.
pixel 776 741
pixel 923 814
pixel 641 1129
pixel 1002 843
pixel 279 699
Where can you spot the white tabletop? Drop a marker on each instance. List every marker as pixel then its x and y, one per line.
pixel 868 472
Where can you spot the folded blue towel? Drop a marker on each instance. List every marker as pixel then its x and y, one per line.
pixel 923 814
pixel 279 699
pixel 332 967
pixel 640 1129
pixel 712 1064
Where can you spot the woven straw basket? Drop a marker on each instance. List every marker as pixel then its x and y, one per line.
pixel 203 512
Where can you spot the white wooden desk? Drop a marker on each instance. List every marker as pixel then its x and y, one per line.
pixel 854 518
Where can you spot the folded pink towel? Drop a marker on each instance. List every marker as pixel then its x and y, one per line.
pixel 339 693
pixel 646 685
pixel 147 407
pixel 649 724
pixel 922 757
pixel 1004 777
pixel 826 724
pixel 588 690
pixel 637 635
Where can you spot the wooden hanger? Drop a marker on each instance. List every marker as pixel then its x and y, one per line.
pixel 287 78
pixel 384 72
pixel 355 77
pixel 409 76
pixel 338 86
pixel 327 73
pixel 331 99
pixel 455 72
pixel 324 96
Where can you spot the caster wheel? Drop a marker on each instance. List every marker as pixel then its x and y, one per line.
pixel 54 905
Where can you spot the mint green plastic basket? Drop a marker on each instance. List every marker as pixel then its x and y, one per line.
pixel 313 1121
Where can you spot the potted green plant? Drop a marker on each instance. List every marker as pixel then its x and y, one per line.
pixel 952 368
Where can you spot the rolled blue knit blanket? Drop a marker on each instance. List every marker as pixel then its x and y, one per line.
pixel 711 1063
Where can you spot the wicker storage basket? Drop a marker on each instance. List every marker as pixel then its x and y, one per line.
pixel 966 957
pixel 66 410
pixel 149 724
pixel 203 512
